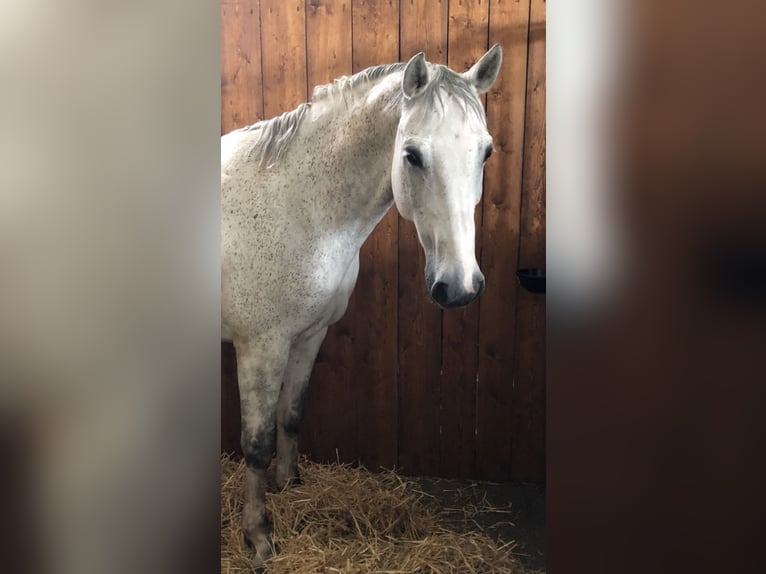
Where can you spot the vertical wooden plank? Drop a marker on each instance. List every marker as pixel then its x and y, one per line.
pixel 528 448
pixel 423 28
pixel 373 306
pixel 241 89
pixel 468 29
pixel 506 101
pixel 329 424
pixel 283 37
pixel 376 32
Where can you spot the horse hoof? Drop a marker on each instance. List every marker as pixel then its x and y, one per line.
pixel 292 482
pixel 262 550
pixel 285 483
pixel 247 541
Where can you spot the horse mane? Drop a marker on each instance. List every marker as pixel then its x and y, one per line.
pixel 276 134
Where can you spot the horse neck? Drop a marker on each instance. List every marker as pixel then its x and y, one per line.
pixel 358 150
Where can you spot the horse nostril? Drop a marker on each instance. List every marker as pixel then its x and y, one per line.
pixel 478 285
pixel 439 292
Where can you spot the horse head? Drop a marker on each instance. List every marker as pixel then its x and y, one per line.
pixel 442 144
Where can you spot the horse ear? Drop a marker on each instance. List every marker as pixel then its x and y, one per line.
pixel 484 72
pixel 415 76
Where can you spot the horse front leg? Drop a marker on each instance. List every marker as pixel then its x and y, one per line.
pixel 260 368
pixel 290 408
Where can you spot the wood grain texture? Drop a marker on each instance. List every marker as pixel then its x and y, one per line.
pixel 373 309
pixel 468 36
pixel 423 28
pixel 283 37
pixel 508 26
pixel 328 41
pixel 528 448
pixel 329 429
pixel 241 86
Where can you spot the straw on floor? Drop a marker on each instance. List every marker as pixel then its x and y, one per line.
pixel 347 520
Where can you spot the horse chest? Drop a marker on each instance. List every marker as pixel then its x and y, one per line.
pixel 335 275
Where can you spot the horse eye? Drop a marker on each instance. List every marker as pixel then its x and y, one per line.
pixel 413 158
pixel 488 153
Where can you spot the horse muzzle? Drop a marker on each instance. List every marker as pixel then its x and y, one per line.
pixel 450 292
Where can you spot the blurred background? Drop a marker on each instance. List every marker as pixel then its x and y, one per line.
pixel 657 259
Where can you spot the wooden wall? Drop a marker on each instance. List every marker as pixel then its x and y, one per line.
pixel 398 382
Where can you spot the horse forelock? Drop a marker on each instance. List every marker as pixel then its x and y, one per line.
pixel 445 83
pixel 276 134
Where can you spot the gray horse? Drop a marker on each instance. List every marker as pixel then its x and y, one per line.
pixel 301 193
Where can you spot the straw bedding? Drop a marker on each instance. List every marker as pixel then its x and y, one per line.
pixel 347 520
